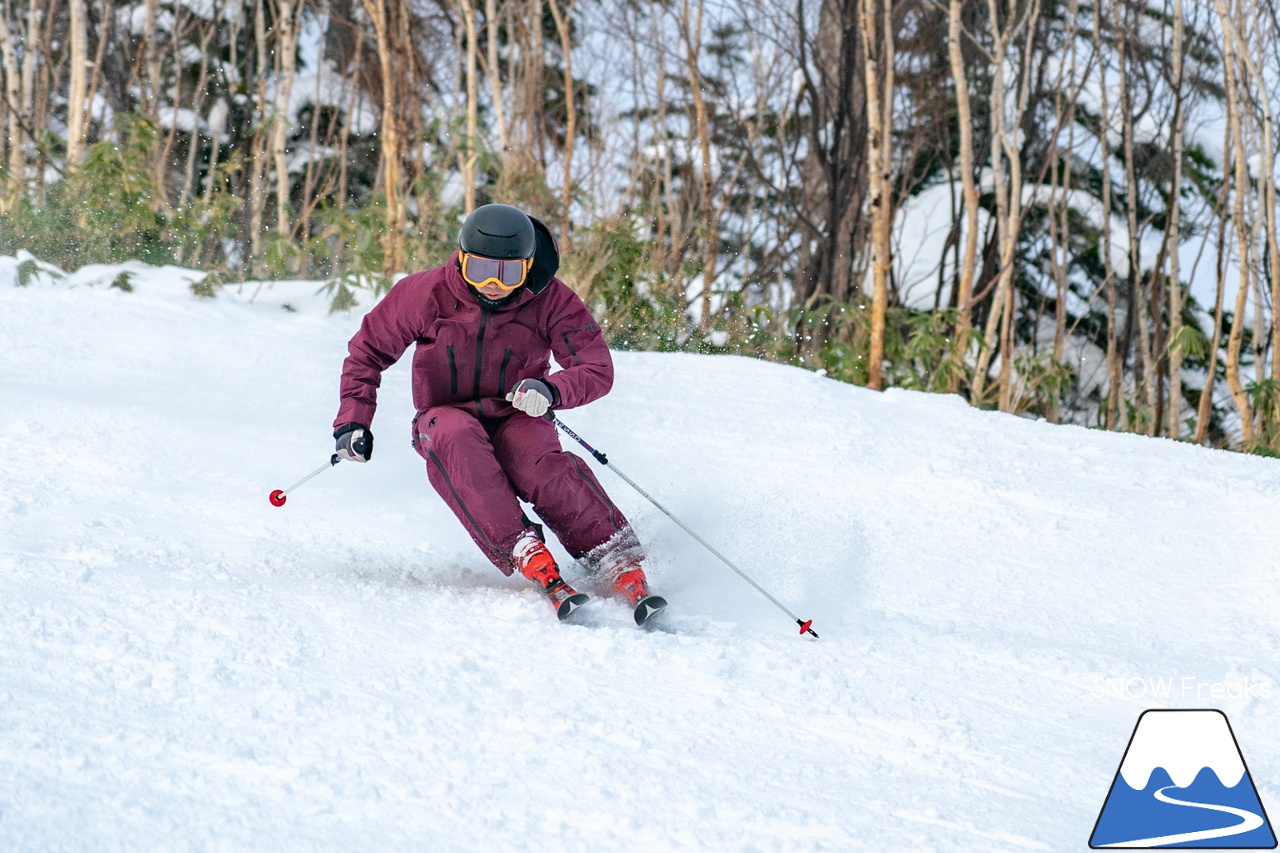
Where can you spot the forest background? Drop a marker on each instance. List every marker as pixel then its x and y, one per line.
pixel 1049 207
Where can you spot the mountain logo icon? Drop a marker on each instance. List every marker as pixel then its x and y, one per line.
pixel 1183 783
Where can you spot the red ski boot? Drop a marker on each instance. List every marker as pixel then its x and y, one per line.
pixel 631 584
pixel 536 563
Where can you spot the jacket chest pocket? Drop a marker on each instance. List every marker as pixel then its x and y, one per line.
pixel 444 363
pixel 518 353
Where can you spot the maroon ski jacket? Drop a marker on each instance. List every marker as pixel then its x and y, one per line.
pixel 471 355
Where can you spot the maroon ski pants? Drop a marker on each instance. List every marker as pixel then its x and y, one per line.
pixel 480 466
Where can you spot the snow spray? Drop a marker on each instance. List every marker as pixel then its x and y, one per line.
pixel 805 624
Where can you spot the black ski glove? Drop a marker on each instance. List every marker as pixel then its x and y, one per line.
pixel 355 442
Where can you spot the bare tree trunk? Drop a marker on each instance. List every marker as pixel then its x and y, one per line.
pixel 151 91
pixel 217 119
pixel 309 178
pixel 517 93
pixel 161 200
pixel 1060 215
pixel 1115 370
pixel 412 127
pixel 662 182
pixel 353 101
pixel 1268 188
pixel 878 49
pixel 1242 31
pixel 1060 237
pixel 286 25
pixel 104 30
pixel 998 105
pixel 392 244
pixel 7 104
pixel 257 164
pixel 1273 246
pixel 1205 409
pixel 471 152
pixel 969 190
pixel 691 32
pixel 494 74
pixel 563 20
pixel 1260 297
pixel 78 84
pixel 1013 153
pixel 12 90
pixel 1008 193
pixel 537 89
pixel 832 214
pixel 18 161
pixel 671 227
pixel 219 109
pixel 1176 351
pixel 47 77
pixel 1236 338
pixel 206 35
pixel 1138 303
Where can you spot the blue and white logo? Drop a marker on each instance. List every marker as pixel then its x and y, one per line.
pixel 1183 783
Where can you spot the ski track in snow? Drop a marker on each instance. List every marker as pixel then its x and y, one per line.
pixel 185 667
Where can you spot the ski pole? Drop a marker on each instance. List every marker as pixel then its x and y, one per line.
pixel 279 496
pixel 805 624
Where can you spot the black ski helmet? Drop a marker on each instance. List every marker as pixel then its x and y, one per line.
pixel 498 231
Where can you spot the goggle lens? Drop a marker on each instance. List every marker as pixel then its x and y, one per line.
pixel 480 272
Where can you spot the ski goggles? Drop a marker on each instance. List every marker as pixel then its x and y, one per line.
pixel 481 272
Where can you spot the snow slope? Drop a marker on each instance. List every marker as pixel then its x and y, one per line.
pixel 185 667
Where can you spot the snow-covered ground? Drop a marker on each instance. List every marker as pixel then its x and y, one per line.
pixel 185 667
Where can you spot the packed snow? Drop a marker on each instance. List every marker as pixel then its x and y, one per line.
pixel 184 666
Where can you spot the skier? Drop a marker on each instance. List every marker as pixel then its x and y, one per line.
pixel 485 325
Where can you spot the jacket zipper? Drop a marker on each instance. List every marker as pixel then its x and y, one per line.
pixel 502 371
pixel 453 370
pixel 484 323
pixel 573 352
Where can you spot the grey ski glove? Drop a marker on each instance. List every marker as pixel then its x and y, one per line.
pixel 533 397
pixel 355 442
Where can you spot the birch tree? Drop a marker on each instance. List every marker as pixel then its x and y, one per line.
pixel 77 83
pixel 13 98
pixel 286 27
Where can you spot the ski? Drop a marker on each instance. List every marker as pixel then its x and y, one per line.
pixel 566 599
pixel 648 607
pixel 567 607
